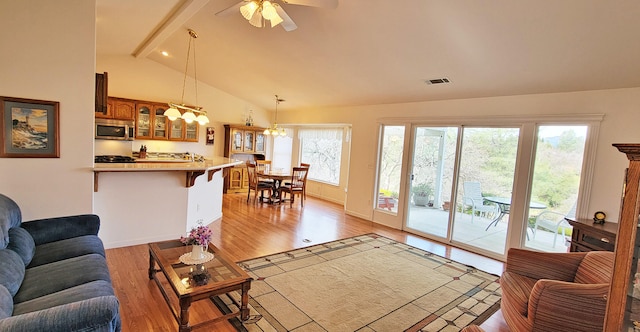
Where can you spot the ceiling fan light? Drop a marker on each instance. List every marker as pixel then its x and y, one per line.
pixel 275 20
pixel 188 117
pixel 282 132
pixel 268 11
pixel 266 132
pixel 172 113
pixel 248 10
pixel 256 20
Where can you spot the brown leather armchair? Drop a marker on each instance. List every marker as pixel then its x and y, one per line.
pixel 555 291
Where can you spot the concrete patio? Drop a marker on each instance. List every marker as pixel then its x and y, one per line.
pixel 434 221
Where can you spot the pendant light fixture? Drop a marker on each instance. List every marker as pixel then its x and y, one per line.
pixel 275 131
pixel 189 115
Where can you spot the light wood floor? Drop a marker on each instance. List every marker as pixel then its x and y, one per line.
pixel 253 230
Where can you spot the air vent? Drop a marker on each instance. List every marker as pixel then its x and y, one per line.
pixel 437 81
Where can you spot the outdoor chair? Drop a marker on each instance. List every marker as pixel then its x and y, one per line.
pixel 473 198
pixel 256 185
pixel 553 221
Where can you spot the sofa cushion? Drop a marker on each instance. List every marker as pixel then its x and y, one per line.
pixel 12 270
pixel 69 248
pixel 6 303
pixel 595 268
pixel 78 293
pixel 54 277
pixel 517 288
pixel 10 216
pixel 21 242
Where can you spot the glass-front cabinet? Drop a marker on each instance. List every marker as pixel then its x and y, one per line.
pixel 191 132
pixel 143 121
pixel 159 122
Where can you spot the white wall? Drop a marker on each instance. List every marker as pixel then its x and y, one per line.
pixel 48 53
pixel 143 79
pixel 620 125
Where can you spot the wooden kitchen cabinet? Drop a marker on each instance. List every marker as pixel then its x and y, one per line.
pixel 101 109
pixel 143 121
pixel 122 109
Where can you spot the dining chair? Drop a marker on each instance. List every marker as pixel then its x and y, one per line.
pixel 304 191
pixel 256 185
pixel 296 185
pixel 263 166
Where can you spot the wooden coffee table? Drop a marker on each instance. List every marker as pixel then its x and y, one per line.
pixel 224 276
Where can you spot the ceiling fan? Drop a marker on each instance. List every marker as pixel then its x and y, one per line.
pixel 257 11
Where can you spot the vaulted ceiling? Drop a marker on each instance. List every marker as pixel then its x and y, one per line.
pixel 368 52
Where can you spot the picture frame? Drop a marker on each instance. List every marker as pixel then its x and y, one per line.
pixel 29 128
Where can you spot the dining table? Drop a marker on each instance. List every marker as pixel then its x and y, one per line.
pixel 504 206
pixel 277 176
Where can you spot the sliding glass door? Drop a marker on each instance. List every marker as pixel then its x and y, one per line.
pixel 433 159
pixel 484 187
pixel 459 184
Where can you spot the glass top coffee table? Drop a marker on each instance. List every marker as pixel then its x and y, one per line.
pixel 191 283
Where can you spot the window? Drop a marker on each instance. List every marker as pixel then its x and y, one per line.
pixel 322 148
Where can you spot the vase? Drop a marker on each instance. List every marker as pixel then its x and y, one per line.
pixel 197 251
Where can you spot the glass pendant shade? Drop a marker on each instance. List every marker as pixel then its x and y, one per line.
pixel 188 117
pixel 266 132
pixel 172 113
pixel 202 119
pixel 256 20
pixel 249 10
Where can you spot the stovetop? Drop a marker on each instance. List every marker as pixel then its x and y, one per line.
pixel 114 159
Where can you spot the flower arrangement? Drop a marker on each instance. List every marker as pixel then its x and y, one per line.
pixel 200 235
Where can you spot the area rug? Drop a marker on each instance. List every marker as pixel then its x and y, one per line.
pixel 364 283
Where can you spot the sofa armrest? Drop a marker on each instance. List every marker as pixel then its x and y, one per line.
pixel 567 306
pixel 62 228
pixel 96 314
pixel 542 265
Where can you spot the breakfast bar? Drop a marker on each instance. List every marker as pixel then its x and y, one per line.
pixel 155 201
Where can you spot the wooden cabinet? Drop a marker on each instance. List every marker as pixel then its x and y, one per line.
pixel 122 109
pixel 623 305
pixel 101 110
pixel 246 143
pixel 143 121
pixel 587 236
pixel 238 179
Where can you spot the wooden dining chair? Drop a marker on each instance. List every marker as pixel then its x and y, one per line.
pixel 304 191
pixel 256 185
pixel 263 166
pixel 296 185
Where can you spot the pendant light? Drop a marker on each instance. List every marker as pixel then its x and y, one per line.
pixel 275 131
pixel 173 113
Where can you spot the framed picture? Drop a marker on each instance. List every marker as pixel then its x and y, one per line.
pixel 29 128
pixel 210 135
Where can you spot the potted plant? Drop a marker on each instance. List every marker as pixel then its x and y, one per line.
pixel 421 194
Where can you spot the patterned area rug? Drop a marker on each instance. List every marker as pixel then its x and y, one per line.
pixel 365 283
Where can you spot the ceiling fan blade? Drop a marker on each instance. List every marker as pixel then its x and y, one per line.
pixel 314 3
pixel 287 22
pixel 231 10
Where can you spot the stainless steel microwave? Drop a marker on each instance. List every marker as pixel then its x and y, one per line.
pixel 115 129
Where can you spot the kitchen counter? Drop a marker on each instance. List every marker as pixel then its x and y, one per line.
pixel 147 202
pixel 192 169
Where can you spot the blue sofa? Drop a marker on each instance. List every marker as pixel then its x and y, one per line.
pixel 53 274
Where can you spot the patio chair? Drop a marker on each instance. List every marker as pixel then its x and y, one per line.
pixel 553 221
pixel 473 198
